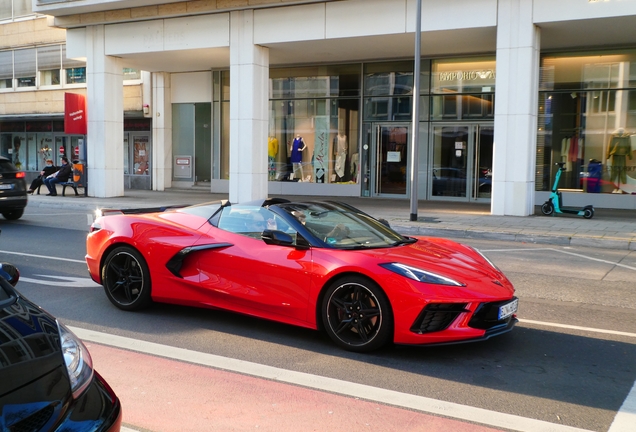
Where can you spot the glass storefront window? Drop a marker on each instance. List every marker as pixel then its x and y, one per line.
pixel 475 75
pixel 591 70
pixel 313 140
pixel 389 108
pixel 394 78
pixel 587 121
pixel 315 81
pixel 463 107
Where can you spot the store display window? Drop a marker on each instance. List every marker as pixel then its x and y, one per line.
pixel 587 121
pixel 314 124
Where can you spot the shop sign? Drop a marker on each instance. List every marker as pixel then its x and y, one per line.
pixel 486 74
pixel 74 114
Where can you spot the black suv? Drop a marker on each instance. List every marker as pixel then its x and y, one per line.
pixel 13 190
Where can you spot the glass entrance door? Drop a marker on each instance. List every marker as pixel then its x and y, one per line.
pixel 390 159
pixel 461 162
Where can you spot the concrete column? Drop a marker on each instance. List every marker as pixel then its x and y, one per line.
pixel 516 107
pixel 161 109
pixel 249 77
pixel 105 113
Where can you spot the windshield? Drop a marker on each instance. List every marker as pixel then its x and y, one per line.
pixel 341 227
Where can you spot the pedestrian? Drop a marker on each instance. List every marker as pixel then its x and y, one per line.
pixel 48 169
pixel 60 176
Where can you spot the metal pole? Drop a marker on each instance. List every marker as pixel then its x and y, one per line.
pixel 415 132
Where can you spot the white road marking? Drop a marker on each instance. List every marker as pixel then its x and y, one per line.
pixel 64 281
pixel 563 252
pixel 389 397
pixel 588 329
pixel 43 256
pixel 625 420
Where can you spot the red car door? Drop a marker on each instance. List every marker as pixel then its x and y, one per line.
pixel 253 277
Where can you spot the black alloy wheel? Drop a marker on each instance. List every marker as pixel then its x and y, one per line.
pixel 357 315
pixel 126 279
pixel 547 208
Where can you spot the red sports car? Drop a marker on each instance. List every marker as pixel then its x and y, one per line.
pixel 320 265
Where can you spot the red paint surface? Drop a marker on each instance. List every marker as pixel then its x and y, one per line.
pixel 159 394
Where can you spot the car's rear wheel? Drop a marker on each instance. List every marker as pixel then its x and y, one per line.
pixel 13 214
pixel 357 315
pixel 126 279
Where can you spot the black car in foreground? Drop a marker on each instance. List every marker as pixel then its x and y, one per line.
pixel 13 190
pixel 47 381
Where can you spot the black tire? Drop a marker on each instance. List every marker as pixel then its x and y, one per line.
pixel 126 279
pixel 588 213
pixel 13 214
pixel 357 315
pixel 547 208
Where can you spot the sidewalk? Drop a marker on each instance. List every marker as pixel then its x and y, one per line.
pixel 609 229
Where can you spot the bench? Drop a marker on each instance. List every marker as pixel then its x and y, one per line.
pixel 71 184
pixel 77 174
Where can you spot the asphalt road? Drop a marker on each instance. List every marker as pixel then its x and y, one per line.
pixel 577 372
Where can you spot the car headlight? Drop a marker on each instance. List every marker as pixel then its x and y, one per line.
pixel 420 275
pixel 79 364
pixel 486 258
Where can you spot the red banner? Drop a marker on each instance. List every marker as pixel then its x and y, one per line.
pixel 74 114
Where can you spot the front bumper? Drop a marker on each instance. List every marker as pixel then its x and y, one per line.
pixel 96 410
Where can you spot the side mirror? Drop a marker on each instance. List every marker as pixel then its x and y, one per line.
pixel 274 237
pixel 10 273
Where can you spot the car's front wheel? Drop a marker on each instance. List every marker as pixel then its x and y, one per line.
pixel 126 279
pixel 13 214
pixel 357 315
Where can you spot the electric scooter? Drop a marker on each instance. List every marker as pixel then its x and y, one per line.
pixel 555 203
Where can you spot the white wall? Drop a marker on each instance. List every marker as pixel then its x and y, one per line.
pixel 192 87
pixel 545 11
pixel 174 34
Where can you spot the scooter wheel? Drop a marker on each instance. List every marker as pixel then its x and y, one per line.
pixel 588 213
pixel 547 208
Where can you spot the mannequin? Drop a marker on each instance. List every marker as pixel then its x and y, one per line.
pixel 618 150
pixel 298 146
pixel 341 155
pixel 354 168
pixel 272 151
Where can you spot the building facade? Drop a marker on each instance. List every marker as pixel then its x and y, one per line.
pixel 258 97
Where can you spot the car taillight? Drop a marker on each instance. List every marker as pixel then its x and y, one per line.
pixel 20 174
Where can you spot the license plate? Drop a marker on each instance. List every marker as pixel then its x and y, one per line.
pixel 6 186
pixel 508 309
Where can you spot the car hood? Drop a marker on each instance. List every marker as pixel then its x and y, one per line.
pixel 32 369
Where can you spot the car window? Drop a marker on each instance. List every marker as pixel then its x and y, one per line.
pixel 342 228
pixel 252 221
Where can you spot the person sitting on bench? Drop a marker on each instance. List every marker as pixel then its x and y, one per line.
pixel 39 180
pixel 60 176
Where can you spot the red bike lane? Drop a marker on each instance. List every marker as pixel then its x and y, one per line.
pixel 165 395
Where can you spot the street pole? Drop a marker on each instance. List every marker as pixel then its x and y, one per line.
pixel 415 132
